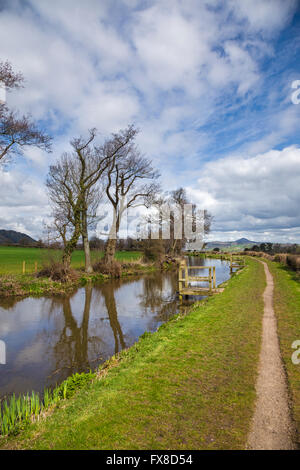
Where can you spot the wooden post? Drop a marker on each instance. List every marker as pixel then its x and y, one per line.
pixel 180 276
pixel 35 267
pixel 210 278
pixel 186 276
pixel 214 273
pixel 24 267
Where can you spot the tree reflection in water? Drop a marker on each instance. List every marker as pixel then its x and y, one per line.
pixel 159 296
pixel 109 296
pixel 76 345
pixel 71 350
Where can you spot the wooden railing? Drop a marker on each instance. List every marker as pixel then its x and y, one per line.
pixel 185 279
pixel 236 262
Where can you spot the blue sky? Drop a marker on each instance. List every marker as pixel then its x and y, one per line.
pixel 207 82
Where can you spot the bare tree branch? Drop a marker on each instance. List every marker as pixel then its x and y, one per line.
pixel 9 78
pixel 17 132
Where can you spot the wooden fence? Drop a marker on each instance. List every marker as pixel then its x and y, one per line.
pixel 236 262
pixel 185 279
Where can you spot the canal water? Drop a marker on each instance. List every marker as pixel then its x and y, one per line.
pixel 48 339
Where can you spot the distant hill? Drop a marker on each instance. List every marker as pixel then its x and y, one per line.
pixel 10 237
pixel 239 244
pixel 242 241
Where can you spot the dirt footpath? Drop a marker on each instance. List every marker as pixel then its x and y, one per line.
pixel 272 426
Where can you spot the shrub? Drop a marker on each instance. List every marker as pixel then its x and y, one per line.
pixel 54 269
pixel 281 258
pixel 293 261
pixel 153 250
pixel 112 269
pixel 267 256
pixel 73 383
pixel 254 253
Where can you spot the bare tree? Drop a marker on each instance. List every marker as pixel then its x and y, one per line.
pixel 178 199
pixel 172 224
pixel 65 201
pixel 69 185
pixel 72 185
pixel 17 132
pixel 130 182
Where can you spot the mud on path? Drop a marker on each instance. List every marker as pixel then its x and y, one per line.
pixel 272 425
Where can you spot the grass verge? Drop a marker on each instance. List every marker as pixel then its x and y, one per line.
pixel 190 385
pixel 287 310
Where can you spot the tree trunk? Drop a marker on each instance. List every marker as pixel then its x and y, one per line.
pixel 87 255
pixel 86 246
pixel 174 247
pixel 66 257
pixel 71 245
pixel 110 247
pixel 110 250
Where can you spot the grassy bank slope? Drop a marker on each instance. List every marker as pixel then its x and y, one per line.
pixel 191 385
pixel 11 258
pixel 287 310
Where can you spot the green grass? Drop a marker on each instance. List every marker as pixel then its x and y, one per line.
pixel 191 385
pixel 11 258
pixel 287 310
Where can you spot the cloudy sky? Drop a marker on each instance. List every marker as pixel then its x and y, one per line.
pixel 208 82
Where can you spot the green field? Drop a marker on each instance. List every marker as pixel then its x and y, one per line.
pixel 11 258
pixel 190 385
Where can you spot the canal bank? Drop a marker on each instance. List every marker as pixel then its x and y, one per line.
pixel 190 385
pixel 14 286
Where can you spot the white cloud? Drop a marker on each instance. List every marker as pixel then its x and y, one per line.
pixel 170 48
pixel 266 16
pixel 246 195
pixel 23 203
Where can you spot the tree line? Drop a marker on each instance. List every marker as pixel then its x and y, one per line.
pixel 274 248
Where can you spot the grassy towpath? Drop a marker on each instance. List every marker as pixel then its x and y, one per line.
pixel 190 385
pixel 287 311
pixel 272 425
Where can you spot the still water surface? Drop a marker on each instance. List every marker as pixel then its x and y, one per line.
pixel 48 339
